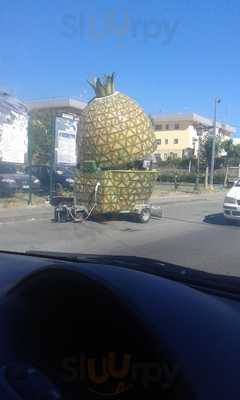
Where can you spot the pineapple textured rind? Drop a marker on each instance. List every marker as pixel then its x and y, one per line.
pixel 119 189
pixel 114 130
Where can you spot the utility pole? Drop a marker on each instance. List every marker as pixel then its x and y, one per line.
pixel 217 101
pixel 52 164
pixel 30 164
pixel 198 164
pixel 199 129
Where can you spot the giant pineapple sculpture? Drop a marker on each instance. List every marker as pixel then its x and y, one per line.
pixel 113 132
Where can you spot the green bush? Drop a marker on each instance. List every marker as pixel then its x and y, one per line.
pixel 181 177
pixel 183 163
pixel 185 177
pixel 177 163
pixel 219 178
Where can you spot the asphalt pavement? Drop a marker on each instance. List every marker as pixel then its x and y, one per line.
pixel 192 233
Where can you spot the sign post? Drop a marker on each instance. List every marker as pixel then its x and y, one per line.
pixel 30 166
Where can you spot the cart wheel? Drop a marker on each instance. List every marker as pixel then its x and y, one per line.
pixel 144 216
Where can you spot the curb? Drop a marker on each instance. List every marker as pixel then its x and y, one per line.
pixel 185 199
pixel 182 201
pixel 26 214
pixel 48 214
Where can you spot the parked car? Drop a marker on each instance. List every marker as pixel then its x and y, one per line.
pixel 8 186
pixel 63 176
pixel 231 206
pixel 12 180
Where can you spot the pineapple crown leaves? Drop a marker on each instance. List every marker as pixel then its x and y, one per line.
pixel 104 87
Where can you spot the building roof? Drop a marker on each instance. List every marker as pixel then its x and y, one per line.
pixel 192 117
pixel 57 102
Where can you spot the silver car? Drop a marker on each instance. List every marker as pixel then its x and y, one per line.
pixel 231 205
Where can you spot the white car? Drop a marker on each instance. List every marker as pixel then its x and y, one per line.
pixel 231 206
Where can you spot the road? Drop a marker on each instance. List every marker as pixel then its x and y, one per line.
pixel 193 234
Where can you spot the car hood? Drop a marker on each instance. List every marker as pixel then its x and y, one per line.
pixel 17 177
pixel 7 176
pixel 234 192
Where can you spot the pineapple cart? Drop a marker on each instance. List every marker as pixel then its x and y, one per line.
pixel 116 192
pixel 114 136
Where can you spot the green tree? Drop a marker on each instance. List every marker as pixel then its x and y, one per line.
pixel 206 153
pixel 229 149
pixel 40 136
pixel 236 154
pixel 206 150
pixel 152 120
pixel 232 153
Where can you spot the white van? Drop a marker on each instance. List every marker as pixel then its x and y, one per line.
pixel 231 206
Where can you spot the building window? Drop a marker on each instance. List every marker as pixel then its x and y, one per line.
pixel 176 126
pixel 165 156
pixel 158 127
pixel 158 142
pixel 175 141
pixel 158 157
pixel 167 127
pixel 173 156
pixel 166 141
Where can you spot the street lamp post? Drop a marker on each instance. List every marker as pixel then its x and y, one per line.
pixel 52 161
pixel 200 130
pixel 198 160
pixel 30 165
pixel 217 101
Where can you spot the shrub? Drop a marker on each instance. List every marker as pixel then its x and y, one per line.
pixel 185 177
pixel 177 163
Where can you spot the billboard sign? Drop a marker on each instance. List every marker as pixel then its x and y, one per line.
pixel 65 139
pixel 13 129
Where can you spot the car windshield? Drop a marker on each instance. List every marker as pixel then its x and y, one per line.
pixel 125 116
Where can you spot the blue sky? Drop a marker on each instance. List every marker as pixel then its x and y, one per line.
pixel 174 55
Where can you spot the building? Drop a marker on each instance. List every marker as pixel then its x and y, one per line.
pixel 60 117
pixel 236 140
pixel 59 105
pixel 13 129
pixel 177 134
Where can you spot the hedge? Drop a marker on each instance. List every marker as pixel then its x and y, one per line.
pixel 188 177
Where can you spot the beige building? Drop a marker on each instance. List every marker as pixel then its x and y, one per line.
pixel 178 134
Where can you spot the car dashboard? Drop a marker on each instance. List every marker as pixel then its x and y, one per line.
pixel 100 331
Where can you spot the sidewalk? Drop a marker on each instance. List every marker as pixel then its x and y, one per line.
pixel 33 213
pixel 28 213
pixel 175 198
